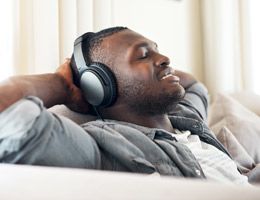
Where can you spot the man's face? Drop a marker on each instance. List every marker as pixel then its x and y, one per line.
pixel 146 83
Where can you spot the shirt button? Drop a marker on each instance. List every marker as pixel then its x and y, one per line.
pixel 195 126
pixel 198 172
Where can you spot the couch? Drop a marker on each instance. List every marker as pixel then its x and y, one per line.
pixel 235 120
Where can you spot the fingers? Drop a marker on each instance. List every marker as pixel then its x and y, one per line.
pixel 67 60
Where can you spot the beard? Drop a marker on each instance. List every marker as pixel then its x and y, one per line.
pixel 149 98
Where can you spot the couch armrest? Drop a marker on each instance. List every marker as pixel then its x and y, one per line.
pixel 32 182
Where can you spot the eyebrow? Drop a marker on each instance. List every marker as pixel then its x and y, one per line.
pixel 144 44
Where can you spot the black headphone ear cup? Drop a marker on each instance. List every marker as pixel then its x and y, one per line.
pixel 103 88
pixel 110 83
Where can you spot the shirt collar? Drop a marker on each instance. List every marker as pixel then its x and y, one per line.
pixel 149 132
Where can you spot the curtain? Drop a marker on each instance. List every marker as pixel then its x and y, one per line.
pixel 231 45
pixel 46 29
pixel 6 39
pixel 222 36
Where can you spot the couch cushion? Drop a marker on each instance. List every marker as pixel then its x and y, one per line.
pixel 242 123
pixel 249 99
pixel 237 151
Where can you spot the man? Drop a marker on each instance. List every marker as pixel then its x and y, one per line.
pixel 153 126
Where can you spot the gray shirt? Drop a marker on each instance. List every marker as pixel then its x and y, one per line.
pixel 43 138
pixel 129 147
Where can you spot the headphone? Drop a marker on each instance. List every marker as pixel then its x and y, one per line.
pixel 96 80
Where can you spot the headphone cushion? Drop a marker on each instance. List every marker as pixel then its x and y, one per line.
pixel 108 80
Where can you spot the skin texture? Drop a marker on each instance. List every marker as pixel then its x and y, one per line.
pixel 143 98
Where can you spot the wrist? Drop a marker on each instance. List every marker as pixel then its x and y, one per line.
pixel 62 89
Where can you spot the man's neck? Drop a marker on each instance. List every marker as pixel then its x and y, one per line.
pixel 152 121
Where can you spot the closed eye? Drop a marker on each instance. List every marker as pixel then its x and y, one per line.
pixel 144 55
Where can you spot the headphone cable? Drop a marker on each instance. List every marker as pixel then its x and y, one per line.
pixel 98 113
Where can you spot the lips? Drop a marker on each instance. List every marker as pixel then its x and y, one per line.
pixel 168 73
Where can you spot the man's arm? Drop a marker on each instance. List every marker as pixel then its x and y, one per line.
pixel 195 102
pixel 54 88
pixel 48 87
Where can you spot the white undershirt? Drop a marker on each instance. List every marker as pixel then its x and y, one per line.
pixel 215 164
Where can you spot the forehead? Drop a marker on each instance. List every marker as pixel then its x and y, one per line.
pixel 124 40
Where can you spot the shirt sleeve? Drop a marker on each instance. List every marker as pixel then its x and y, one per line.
pixel 194 104
pixel 30 134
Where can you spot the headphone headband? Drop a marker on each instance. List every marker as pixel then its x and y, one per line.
pixel 80 60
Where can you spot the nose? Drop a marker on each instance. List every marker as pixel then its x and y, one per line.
pixel 162 61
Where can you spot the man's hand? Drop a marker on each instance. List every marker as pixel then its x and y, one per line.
pixel 186 80
pixel 52 89
pixel 74 98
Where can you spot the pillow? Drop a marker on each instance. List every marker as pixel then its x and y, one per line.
pixel 249 99
pixel 237 151
pixel 254 175
pixel 242 123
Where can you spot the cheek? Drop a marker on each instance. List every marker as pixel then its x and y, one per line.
pixel 143 73
pixel 132 75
